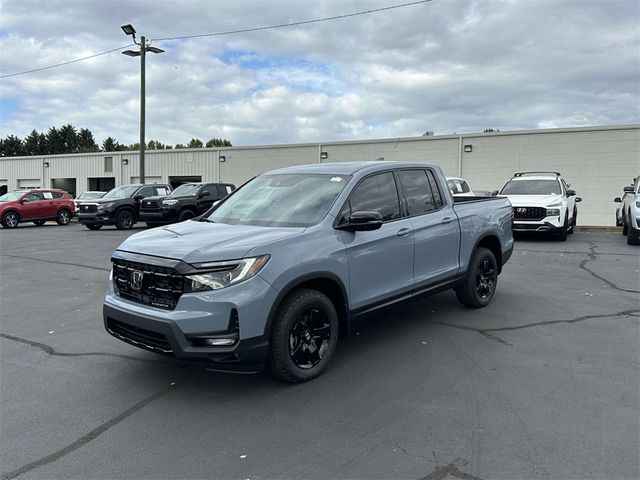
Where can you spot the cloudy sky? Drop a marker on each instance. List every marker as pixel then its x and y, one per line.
pixel 444 66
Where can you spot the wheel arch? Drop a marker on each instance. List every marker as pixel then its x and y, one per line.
pixel 325 282
pixel 492 242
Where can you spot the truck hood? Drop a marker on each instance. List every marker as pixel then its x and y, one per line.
pixel 534 200
pixel 194 242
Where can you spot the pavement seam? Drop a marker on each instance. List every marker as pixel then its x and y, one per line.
pixel 593 255
pixel 57 263
pixel 49 350
pixel 90 436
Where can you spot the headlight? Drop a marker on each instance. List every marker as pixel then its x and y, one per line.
pixel 553 211
pixel 169 202
pixel 558 204
pixel 104 206
pixel 223 274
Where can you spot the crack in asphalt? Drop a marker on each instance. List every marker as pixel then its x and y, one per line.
pixel 593 255
pixel 564 252
pixel 489 332
pixel 450 470
pixel 53 352
pixel 57 262
pixel 90 436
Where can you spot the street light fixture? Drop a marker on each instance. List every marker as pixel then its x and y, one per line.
pixel 144 48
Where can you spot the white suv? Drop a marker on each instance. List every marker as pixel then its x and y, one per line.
pixel 542 202
pixel 630 212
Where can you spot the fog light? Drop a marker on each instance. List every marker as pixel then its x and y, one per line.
pixel 219 342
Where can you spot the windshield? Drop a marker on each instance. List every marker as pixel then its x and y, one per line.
pixel 531 187
pixel 11 196
pixel 184 190
pixel 90 195
pixel 286 200
pixel 121 192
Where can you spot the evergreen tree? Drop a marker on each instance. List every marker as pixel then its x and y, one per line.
pixel 12 146
pixel 54 142
pixel 70 138
pixel 218 142
pixel 195 143
pixel 179 146
pixel 86 142
pixel 109 145
pixel 32 144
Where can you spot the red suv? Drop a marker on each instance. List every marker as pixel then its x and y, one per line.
pixel 35 206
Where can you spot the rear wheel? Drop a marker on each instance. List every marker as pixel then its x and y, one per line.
pixel 93 226
pixel 39 222
pixel 304 336
pixel 125 220
pixel 481 280
pixel 10 220
pixel 64 217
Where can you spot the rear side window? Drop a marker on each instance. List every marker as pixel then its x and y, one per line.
pixel 377 193
pixel 57 194
pixel 161 191
pixel 437 198
pixel 417 191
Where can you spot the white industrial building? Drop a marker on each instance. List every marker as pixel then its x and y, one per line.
pixel 597 161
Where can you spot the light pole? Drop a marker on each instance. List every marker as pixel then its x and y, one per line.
pixel 144 48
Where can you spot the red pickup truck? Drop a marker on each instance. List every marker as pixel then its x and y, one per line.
pixel 37 206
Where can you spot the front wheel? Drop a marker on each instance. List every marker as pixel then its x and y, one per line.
pixel 64 217
pixel 304 336
pixel 633 236
pixel 481 280
pixel 562 233
pixel 185 215
pixel 10 220
pixel 573 222
pixel 125 220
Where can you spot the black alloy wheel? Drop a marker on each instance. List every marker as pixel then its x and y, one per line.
pixel 124 220
pixel 481 280
pixel 10 220
pixel 64 217
pixel 304 336
pixel 486 279
pixel 185 215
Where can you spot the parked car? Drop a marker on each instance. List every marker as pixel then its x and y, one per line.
pixel 277 269
pixel 120 206
pixel 37 206
pixel 542 202
pixel 630 212
pixel 88 195
pixel 459 187
pixel 187 201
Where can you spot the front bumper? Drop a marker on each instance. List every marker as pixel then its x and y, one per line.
pixel 97 217
pixel 159 216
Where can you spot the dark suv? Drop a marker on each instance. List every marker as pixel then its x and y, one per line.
pixel 186 201
pixel 119 206
pixel 35 206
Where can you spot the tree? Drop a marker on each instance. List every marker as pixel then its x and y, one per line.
pixel 12 146
pixel 33 144
pixel 109 145
pixel 86 142
pixel 54 142
pixel 70 138
pixel 195 143
pixel 489 130
pixel 155 145
pixel 218 142
pixel 179 146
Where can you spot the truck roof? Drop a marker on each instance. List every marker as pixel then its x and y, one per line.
pixel 348 168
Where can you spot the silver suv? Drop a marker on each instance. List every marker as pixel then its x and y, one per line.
pixel 630 212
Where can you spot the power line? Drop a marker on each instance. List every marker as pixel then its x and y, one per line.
pixel 65 63
pixel 229 32
pixel 293 24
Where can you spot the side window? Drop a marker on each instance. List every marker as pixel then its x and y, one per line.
pixel 57 194
pixel 145 191
pixel 161 191
pixel 417 191
pixel 34 197
pixel 377 193
pixel 437 198
pixel 47 195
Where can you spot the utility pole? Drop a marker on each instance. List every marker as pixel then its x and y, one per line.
pixel 144 48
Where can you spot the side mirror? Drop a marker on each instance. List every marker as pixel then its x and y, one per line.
pixel 204 193
pixel 578 199
pixel 628 189
pixel 362 221
pixel 24 200
pixel 570 192
pixel 138 197
pixel 494 193
pixel 617 200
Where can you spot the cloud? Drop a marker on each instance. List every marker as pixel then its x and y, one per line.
pixel 446 66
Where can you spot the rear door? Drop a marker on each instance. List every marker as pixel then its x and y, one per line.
pixel 208 194
pixel 380 261
pixel 51 202
pixel 436 231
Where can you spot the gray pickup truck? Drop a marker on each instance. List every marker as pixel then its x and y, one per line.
pixel 274 273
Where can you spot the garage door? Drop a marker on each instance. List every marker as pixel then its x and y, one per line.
pixel 28 183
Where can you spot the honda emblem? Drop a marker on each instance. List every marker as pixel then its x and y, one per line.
pixel 135 280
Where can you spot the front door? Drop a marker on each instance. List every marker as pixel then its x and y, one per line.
pixel 34 206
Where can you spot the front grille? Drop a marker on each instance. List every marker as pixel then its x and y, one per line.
pixel 88 208
pixel 148 284
pixel 149 205
pixel 139 336
pixel 530 213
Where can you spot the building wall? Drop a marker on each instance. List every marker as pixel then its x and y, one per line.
pixel 597 161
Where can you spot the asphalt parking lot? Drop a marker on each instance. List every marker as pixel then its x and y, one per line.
pixel 543 383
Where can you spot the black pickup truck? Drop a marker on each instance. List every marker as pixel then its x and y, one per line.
pixel 119 206
pixel 187 201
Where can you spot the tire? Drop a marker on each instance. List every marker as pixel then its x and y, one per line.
pixel 10 220
pixel 573 222
pixel 633 235
pixel 625 228
pixel 185 215
pixel 294 353
pixel 125 219
pixel 93 226
pixel 39 222
pixel 562 233
pixel 63 217
pixel 481 280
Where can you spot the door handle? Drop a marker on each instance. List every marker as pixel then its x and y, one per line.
pixel 446 220
pixel 403 232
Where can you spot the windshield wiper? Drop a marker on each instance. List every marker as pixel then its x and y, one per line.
pixel 203 219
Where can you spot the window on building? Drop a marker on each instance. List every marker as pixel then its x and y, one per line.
pixel 108 164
